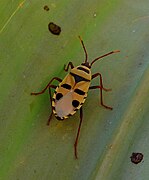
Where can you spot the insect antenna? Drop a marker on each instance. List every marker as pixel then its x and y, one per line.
pixel 85 51
pixel 112 52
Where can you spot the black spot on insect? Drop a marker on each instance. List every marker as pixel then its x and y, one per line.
pixel 59 96
pixel 53 108
pixel 54 29
pixel 46 8
pixel 69 115
pixel 79 78
pixel 85 97
pixel 66 86
pixel 136 157
pixel 75 103
pixel 35 171
pixel 79 91
pixel 59 118
pixel 83 69
pixel 53 99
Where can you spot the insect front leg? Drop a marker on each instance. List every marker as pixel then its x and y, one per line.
pixel 101 82
pixel 66 67
pixel 101 88
pixel 77 137
pixel 41 92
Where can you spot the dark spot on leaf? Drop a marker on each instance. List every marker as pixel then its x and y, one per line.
pixel 59 96
pixel 136 157
pixel 75 103
pixel 46 8
pixel 54 29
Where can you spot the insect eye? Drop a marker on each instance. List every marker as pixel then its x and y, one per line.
pixel 59 96
pixel 75 103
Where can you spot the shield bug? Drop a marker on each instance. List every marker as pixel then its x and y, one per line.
pixel 70 94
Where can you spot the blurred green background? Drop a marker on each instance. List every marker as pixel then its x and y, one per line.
pixel 30 56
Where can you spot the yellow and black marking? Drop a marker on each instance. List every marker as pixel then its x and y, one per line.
pixel 78 82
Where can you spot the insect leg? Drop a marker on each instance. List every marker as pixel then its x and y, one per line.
pixel 70 64
pixel 101 88
pixel 41 92
pixel 96 75
pixel 95 87
pixel 51 86
pixel 77 137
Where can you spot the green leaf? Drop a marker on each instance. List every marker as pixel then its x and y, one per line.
pixel 30 56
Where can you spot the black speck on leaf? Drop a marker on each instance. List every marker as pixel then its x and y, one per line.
pixel 136 157
pixel 46 8
pixel 54 29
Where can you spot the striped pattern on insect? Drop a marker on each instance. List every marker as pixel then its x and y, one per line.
pixel 70 94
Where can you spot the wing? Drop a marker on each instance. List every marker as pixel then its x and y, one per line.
pixel 69 96
pixel 63 107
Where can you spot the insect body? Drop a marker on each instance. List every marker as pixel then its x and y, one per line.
pixel 70 94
